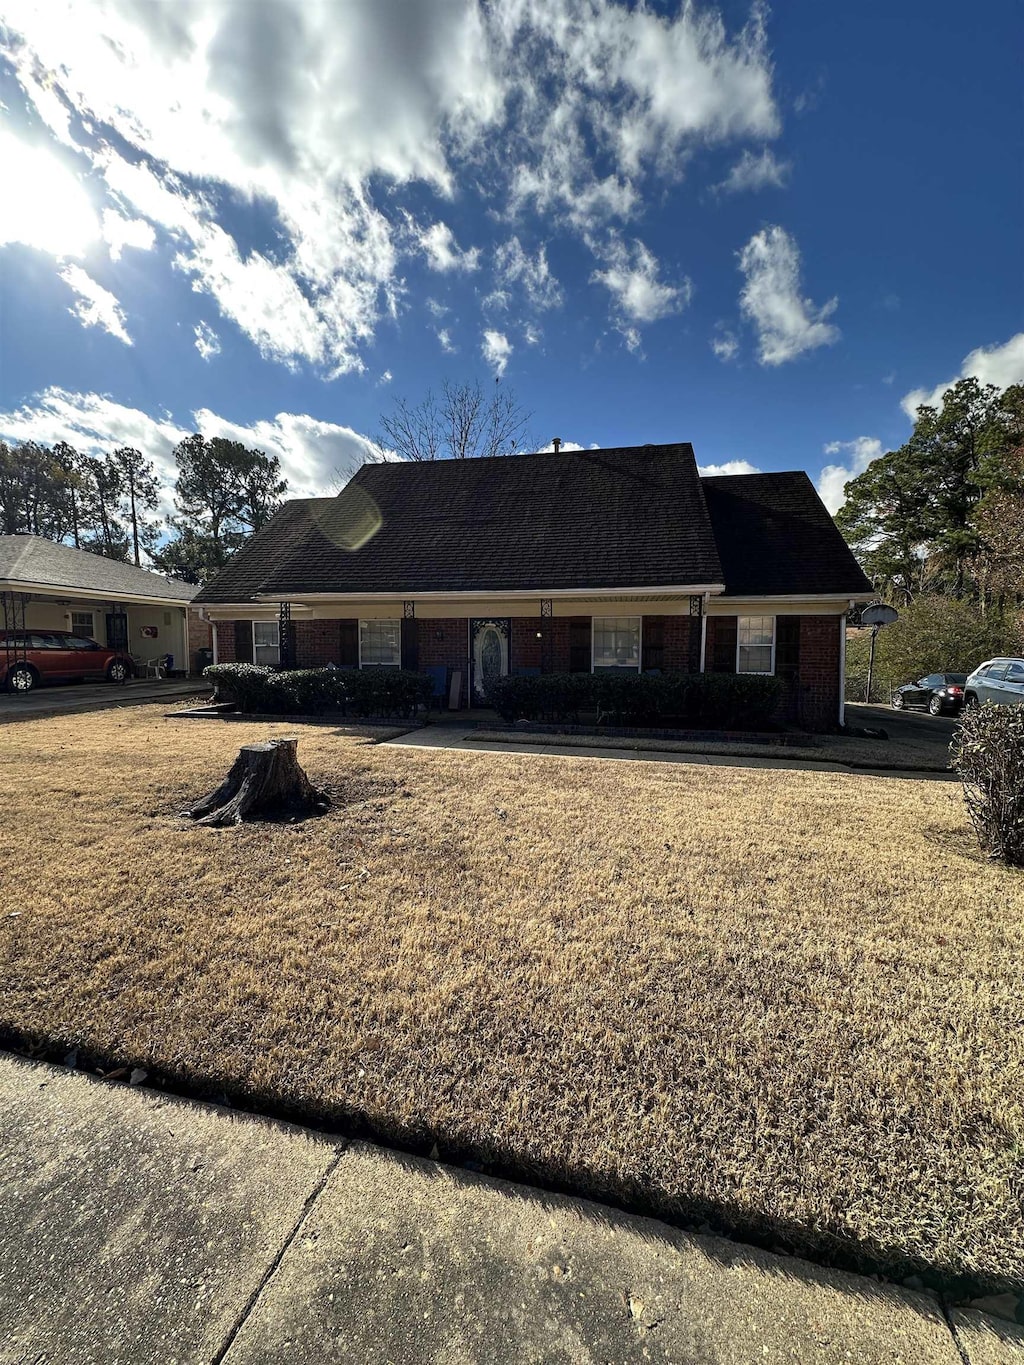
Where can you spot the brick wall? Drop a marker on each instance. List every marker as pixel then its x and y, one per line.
pixel 316 643
pixel 680 641
pixel 526 650
pixel 555 644
pixel 226 642
pixel 200 636
pixel 816 702
pixel 443 642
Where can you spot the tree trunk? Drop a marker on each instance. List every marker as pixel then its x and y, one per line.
pixel 265 783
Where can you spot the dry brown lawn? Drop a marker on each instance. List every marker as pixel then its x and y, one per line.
pixel 789 1003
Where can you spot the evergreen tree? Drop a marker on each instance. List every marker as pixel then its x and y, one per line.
pixel 141 491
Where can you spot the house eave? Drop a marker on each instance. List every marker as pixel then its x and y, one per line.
pixel 847 597
pixel 478 594
pixel 91 594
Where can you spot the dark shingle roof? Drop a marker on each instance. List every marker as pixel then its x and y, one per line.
pixel 775 536
pixel 31 559
pixel 629 517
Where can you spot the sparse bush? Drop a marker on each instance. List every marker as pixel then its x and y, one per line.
pixel 988 757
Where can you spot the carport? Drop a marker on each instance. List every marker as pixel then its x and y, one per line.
pixel 48 586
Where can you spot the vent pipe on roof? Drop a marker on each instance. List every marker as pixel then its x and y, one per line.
pixel 556 442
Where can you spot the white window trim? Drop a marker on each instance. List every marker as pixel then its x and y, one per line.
pixel 640 646
pixel 254 624
pixel 77 630
pixel 359 632
pixel 756 672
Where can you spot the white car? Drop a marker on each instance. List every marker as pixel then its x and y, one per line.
pixel 1000 681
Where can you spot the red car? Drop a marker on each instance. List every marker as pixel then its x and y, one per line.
pixel 31 657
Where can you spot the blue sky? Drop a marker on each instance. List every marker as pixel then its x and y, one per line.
pixel 770 232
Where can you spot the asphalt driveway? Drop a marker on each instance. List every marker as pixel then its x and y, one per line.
pixel 916 727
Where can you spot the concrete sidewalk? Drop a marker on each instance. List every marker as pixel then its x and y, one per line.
pixel 462 735
pixel 142 1228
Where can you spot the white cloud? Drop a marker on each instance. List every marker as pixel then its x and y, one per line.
pixel 728 467
pixel 443 252
pixel 497 351
pixel 445 338
pixel 119 232
pixel 207 340
pixel 1000 365
pixel 95 306
pixel 312 452
pixel 725 343
pixel 516 266
pixel 755 173
pixel 43 204
pixel 631 274
pixel 834 477
pixel 787 323
pixel 572 107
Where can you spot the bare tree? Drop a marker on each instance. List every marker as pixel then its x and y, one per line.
pixel 464 424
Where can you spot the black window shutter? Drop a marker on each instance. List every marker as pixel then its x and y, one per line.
pixel 243 642
pixel 723 655
pixel 653 642
pixel 348 644
pixel 410 644
pixel 787 646
pixel 579 644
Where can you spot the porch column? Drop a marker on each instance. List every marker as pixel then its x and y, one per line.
pixel 547 642
pixel 286 653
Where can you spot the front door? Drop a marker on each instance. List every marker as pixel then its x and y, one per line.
pixel 490 654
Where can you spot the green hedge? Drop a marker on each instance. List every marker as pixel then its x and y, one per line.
pixel 317 691
pixel 711 701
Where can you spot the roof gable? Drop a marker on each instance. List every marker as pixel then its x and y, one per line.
pixel 628 517
pixel 775 537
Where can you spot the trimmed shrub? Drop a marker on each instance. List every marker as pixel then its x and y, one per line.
pixel 317 691
pixel 240 683
pixel 988 756
pixel 704 700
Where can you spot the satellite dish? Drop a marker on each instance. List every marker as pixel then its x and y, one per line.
pixel 879 614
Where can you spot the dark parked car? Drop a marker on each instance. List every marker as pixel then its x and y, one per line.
pixel 28 658
pixel 939 693
pixel 1000 681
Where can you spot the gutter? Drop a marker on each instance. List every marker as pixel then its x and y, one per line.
pixel 477 594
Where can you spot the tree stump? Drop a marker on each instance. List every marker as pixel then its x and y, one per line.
pixel 265 783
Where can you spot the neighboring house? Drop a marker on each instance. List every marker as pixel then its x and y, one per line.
pixel 571 561
pixel 48 586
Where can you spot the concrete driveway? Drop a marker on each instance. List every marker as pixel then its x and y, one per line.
pixel 63 700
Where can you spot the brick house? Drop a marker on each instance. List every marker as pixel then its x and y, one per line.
pixel 558 562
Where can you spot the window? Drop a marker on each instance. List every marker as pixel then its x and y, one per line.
pixel 380 644
pixel 266 643
pixel 755 644
pixel 617 642
pixel 82 624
